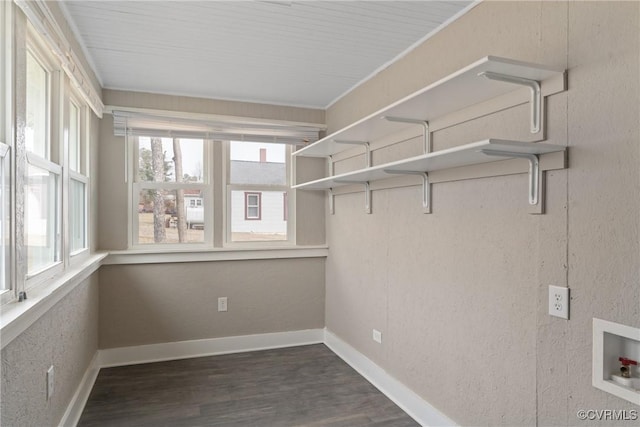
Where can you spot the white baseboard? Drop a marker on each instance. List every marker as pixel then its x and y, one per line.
pixel 79 400
pixel 401 395
pixel 207 347
pixel 410 402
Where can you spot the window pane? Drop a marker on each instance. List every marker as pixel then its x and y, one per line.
pixel 170 216
pixel 158 162
pixel 77 215
pixel 74 137
pixel 37 108
pixel 4 223
pixel 41 219
pixel 270 226
pixel 258 163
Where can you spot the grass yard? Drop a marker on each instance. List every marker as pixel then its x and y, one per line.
pixel 145 233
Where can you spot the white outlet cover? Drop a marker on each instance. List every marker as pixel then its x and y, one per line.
pixel 559 301
pixel 222 304
pixel 377 336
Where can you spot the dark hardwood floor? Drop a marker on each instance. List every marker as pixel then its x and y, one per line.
pixel 298 386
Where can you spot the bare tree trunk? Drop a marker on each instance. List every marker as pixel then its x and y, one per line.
pixel 180 208
pixel 157 158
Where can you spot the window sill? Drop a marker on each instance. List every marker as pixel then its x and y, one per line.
pixel 16 317
pixel 151 256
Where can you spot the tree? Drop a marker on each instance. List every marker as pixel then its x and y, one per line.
pixel 146 173
pixel 159 175
pixel 180 209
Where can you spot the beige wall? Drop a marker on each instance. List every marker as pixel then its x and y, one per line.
pixel 461 295
pixel 65 337
pixel 156 303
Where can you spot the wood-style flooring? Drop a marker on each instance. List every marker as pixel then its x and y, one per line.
pixel 297 386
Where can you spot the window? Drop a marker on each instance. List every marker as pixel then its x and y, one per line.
pixel 6 119
pixel 212 191
pixel 77 214
pixel 252 206
pixel 74 137
pixel 42 219
pixel 78 178
pixel 38 107
pixel 5 237
pixel 44 153
pixel 257 192
pixel 43 176
pixel 172 191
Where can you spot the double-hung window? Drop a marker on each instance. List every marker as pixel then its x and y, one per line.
pixel 257 192
pixel 43 175
pixel 78 178
pixel 6 119
pixel 171 191
pixel 212 181
pixel 5 228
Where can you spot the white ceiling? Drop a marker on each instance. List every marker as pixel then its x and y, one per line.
pixel 300 53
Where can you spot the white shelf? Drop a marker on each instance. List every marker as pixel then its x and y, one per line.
pixel 464 155
pixel 452 93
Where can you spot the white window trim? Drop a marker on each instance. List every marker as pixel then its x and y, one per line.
pixel 135 186
pixel 46 273
pixel 36 50
pixel 5 223
pixel 258 204
pixel 253 188
pixel 80 253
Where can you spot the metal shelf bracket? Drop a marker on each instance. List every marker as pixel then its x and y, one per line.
pixel 534 171
pixel 366 146
pixel 536 94
pixel 426 143
pixel 426 187
pixel 332 206
pixel 367 193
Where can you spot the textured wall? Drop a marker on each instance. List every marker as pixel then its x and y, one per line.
pixel 461 295
pixel 67 338
pixel 156 303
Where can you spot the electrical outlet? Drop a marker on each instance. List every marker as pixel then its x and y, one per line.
pixel 377 336
pixel 222 304
pixel 50 382
pixel 559 301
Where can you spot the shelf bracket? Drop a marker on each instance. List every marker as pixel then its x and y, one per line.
pixel 366 146
pixel 426 187
pixel 536 94
pixel 534 171
pixel 330 165
pixel 426 142
pixel 367 193
pixel 332 199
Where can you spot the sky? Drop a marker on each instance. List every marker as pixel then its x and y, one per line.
pixel 192 152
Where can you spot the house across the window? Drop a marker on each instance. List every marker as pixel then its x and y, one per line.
pixel 258 184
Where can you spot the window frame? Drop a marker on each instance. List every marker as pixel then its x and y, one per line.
pixel 82 174
pixel 74 176
pixel 57 265
pixel 258 205
pixel 5 221
pixel 7 151
pixel 55 162
pixel 261 188
pixel 135 186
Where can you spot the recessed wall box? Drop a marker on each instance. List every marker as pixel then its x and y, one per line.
pixel 615 348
